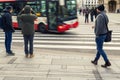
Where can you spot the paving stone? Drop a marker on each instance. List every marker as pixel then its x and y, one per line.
pixel 22 73
pixel 17 78
pixel 77 78
pixel 5 60
pixel 46 78
pixel 69 62
pixel 70 74
pixel 1 78
pixel 75 68
pixel 27 66
pixel 111 78
pixel 50 67
pixel 32 61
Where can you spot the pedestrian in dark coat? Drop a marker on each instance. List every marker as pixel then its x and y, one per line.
pixel 8 29
pixel 28 30
pixel 100 32
pixel 87 15
pixel 92 14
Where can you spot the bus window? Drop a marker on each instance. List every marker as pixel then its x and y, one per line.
pixel 71 7
pixel 43 8
pixel 52 15
pixel 39 7
pixel 1 7
pixel 68 11
pixel 17 7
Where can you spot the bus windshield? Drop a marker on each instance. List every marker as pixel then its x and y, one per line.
pixel 71 7
pixel 68 11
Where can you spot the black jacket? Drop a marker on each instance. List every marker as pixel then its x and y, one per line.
pixel 7 21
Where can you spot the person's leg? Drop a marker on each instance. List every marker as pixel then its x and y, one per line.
pixel 100 41
pixel 97 56
pixel 95 61
pixel 85 19
pixel 31 37
pixel 31 44
pixel 8 40
pixel 91 17
pixel 26 44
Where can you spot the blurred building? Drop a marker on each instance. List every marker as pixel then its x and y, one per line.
pixel 111 5
pixel 87 3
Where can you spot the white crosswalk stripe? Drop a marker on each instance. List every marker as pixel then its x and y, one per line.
pixel 66 41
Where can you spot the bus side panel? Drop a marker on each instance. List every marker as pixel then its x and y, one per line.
pixel 37 21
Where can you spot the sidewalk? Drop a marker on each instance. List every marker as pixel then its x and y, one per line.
pixel 55 65
pixel 58 65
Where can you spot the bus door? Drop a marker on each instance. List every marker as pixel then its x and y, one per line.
pixel 52 8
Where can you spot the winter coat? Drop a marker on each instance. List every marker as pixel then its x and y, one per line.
pixel 7 21
pixel 27 22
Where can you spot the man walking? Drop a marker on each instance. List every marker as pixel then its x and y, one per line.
pixel 100 32
pixel 8 29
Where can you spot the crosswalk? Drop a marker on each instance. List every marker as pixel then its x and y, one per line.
pixel 81 42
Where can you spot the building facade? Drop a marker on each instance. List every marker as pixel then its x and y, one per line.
pixel 87 3
pixel 111 5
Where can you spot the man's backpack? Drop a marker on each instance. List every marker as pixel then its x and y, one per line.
pixel 1 22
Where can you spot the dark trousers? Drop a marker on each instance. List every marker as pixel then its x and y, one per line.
pixel 28 44
pixel 8 41
pixel 99 42
pixel 92 18
pixel 86 18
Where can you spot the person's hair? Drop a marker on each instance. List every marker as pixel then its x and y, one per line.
pixel 27 9
pixel 9 8
pixel 101 7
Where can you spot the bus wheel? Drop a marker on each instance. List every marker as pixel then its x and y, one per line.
pixel 42 28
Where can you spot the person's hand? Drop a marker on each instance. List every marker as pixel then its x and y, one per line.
pixel 23 9
pixel 31 9
pixel 13 30
pixel 93 27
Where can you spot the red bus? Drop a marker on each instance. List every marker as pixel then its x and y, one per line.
pixel 53 15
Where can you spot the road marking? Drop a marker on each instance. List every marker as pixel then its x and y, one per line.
pixel 62 38
pixel 81 41
pixel 66 42
pixel 73 47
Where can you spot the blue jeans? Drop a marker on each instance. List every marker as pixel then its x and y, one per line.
pixel 99 42
pixel 8 41
pixel 28 40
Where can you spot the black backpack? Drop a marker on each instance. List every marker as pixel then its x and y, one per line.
pixel 2 21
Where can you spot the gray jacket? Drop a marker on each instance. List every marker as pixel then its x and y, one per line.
pixel 100 24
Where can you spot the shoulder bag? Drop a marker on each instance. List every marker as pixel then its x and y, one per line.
pixel 108 34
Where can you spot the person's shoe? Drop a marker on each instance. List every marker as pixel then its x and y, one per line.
pixel 94 62
pixel 26 55
pixel 106 64
pixel 10 53
pixel 31 55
